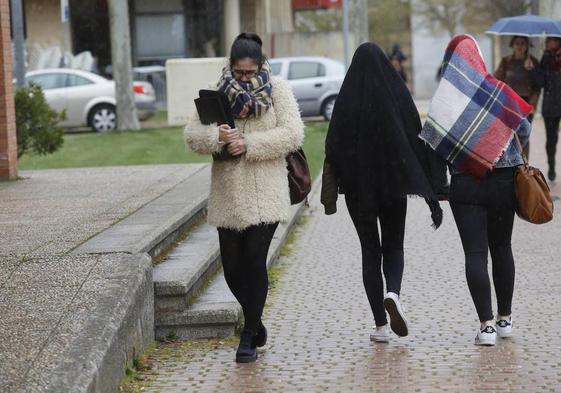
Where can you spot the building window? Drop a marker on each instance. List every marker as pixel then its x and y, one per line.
pixel 205 20
pixel 159 31
pixel 159 36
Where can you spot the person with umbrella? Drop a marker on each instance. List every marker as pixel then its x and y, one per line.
pixel 548 76
pixel 514 71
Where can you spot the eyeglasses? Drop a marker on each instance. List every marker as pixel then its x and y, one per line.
pixel 242 73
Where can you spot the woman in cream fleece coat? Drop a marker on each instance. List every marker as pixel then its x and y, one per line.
pixel 249 194
pixel 253 190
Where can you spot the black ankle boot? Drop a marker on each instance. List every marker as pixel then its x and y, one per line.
pixel 247 350
pixel 261 338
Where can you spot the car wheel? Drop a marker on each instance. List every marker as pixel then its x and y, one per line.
pixel 103 118
pixel 327 107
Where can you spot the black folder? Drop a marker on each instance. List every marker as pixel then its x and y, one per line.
pixel 214 107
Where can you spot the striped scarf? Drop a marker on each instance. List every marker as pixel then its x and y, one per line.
pixel 472 116
pixel 256 91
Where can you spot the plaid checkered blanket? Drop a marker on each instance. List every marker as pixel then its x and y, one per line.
pixel 256 91
pixel 472 116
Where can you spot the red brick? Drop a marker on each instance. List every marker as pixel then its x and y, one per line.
pixel 8 143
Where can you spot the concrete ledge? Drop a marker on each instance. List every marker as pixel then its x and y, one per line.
pixel 119 326
pixel 158 223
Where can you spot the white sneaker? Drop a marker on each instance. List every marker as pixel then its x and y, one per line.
pixel 380 335
pixel 504 327
pixel 486 336
pixel 398 323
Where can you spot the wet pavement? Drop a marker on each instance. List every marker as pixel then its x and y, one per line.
pixel 319 320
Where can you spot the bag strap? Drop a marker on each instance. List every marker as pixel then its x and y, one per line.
pixel 521 149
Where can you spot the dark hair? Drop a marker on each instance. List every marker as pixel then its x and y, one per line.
pixel 247 45
pixel 519 36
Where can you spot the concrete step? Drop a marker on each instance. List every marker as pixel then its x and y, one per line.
pixel 215 313
pixel 188 267
pixel 119 319
pixel 158 224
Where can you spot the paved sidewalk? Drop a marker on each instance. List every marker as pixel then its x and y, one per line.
pixel 51 297
pixel 319 321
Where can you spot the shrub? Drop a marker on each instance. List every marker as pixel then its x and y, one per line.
pixel 36 122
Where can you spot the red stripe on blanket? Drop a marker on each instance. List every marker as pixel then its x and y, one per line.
pixel 468 51
pixel 484 153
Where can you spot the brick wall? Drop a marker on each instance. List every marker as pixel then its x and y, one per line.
pixel 8 144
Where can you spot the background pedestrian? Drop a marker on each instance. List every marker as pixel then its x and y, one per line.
pixel 548 76
pixel 514 71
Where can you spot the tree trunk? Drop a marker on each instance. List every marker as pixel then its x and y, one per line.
pixel 19 42
pixel 359 12
pixel 127 118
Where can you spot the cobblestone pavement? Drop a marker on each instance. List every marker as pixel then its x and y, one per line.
pixel 319 321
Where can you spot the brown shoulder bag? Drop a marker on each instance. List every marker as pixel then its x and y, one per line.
pixel 533 196
pixel 299 179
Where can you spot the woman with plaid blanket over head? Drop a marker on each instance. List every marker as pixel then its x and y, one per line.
pixel 471 124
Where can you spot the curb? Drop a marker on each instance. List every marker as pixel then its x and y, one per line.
pixel 115 333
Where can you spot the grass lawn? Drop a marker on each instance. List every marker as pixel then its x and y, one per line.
pixel 149 146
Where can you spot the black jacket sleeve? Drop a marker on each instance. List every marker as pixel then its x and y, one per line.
pixel 329 189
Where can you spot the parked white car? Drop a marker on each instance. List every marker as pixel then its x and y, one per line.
pixel 315 82
pixel 88 98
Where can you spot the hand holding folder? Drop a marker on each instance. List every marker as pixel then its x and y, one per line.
pixel 213 107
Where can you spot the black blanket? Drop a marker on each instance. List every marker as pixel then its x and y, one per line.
pixel 372 143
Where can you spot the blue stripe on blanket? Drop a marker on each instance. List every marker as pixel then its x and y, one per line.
pixel 462 75
pixel 479 89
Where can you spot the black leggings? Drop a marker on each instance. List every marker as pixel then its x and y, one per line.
pixel 244 260
pixel 392 224
pixel 484 214
pixel 552 135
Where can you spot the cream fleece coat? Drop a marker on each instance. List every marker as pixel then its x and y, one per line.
pixel 254 189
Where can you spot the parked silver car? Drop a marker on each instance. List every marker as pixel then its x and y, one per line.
pixel 315 82
pixel 88 98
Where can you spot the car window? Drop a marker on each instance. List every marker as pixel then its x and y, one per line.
pixel 305 69
pixel 49 81
pixel 276 68
pixel 76 80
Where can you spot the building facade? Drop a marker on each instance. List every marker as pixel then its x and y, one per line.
pixel 160 30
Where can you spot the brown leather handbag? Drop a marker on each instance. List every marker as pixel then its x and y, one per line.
pixel 299 179
pixel 533 196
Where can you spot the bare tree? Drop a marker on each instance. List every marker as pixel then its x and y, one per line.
pixel 389 22
pixel 441 15
pixel 473 16
pixel 359 18
pixel 480 14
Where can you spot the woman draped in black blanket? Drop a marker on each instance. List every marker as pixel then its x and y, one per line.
pixel 373 155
